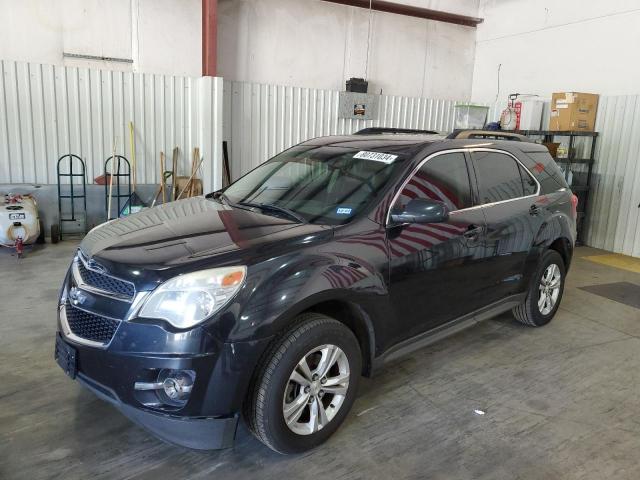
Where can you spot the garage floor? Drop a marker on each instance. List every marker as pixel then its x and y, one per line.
pixel 498 401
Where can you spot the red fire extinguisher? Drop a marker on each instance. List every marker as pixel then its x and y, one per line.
pixel 510 118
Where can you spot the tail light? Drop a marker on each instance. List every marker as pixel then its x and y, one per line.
pixel 574 206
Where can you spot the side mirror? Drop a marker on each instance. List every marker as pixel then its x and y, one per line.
pixel 421 210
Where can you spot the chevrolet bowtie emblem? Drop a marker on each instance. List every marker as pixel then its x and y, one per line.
pixel 76 296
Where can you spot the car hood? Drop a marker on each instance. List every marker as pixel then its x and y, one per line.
pixel 185 232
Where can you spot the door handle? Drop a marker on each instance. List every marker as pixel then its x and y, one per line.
pixel 472 232
pixel 534 210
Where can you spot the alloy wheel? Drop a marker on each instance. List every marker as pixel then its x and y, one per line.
pixel 549 289
pixel 316 389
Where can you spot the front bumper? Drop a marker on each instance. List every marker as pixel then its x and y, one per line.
pixel 209 419
pixel 195 433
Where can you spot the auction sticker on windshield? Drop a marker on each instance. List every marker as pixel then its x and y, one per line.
pixel 376 156
pixel 344 211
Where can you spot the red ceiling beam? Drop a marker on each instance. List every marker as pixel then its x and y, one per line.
pixel 411 11
pixel 209 37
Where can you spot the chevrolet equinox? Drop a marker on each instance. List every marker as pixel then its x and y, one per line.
pixel 269 299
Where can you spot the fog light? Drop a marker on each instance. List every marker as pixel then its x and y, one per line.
pixel 176 386
pixel 172 388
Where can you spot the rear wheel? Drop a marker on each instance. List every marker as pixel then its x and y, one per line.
pixel 55 233
pixel 307 385
pixel 545 292
pixel 40 238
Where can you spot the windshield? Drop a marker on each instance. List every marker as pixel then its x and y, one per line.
pixel 324 185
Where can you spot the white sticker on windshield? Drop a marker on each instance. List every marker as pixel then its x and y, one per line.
pixel 376 156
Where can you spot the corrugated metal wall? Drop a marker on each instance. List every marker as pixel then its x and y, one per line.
pixel 262 120
pixel 47 111
pixel 614 213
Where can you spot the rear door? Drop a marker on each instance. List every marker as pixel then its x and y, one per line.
pixel 436 271
pixel 507 193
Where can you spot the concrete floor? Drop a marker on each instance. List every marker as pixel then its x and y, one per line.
pixel 561 402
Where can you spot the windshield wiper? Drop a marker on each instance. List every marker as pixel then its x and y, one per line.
pixel 275 208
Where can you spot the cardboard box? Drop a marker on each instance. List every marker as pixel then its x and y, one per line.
pixel 572 111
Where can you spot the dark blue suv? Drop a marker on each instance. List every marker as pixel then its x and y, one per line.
pixel 270 298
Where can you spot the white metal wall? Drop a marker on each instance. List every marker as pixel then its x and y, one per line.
pixel 614 213
pixel 47 111
pixel 262 120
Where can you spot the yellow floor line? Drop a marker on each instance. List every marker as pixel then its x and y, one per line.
pixel 616 260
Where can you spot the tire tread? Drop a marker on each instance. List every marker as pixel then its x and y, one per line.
pixel 255 406
pixel 523 313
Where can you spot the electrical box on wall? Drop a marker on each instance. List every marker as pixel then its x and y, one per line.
pixel 359 85
pixel 359 106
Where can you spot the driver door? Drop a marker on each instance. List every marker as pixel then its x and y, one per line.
pixel 437 270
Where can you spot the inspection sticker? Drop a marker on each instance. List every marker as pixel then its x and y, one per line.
pixel 343 211
pixel 376 156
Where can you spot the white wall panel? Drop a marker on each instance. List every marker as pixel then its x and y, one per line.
pixel 614 213
pixel 320 45
pixel 47 111
pixel 263 120
pixel 159 36
pixel 514 30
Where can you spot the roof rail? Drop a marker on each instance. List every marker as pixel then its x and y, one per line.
pixel 489 135
pixel 382 130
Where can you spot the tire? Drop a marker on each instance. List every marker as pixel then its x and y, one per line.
pixel 530 312
pixel 55 233
pixel 274 390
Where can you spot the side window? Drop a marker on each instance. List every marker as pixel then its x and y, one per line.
pixel 499 177
pixel 547 172
pixel 529 184
pixel 444 178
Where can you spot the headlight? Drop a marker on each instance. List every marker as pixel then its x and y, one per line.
pixel 186 300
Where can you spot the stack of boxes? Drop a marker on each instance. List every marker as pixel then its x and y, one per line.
pixel 572 111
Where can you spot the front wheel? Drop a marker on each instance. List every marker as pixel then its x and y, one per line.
pixel 545 292
pixel 40 239
pixel 307 385
pixel 55 233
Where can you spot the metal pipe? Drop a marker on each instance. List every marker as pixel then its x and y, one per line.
pixel 411 11
pixel 209 37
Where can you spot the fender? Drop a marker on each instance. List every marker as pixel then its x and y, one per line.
pixel 336 284
pixel 557 227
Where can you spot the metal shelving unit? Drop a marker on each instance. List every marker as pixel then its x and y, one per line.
pixel 581 181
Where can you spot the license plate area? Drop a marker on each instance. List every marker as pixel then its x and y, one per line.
pixel 65 356
pixel 17 216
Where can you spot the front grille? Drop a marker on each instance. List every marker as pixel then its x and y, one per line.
pixel 105 282
pixel 90 326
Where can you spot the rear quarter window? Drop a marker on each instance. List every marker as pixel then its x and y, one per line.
pixel 547 172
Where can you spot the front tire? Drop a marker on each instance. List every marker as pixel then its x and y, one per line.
pixel 40 239
pixel 306 386
pixel 55 233
pixel 545 292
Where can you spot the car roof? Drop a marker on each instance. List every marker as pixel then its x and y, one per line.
pixel 412 144
pixel 374 141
